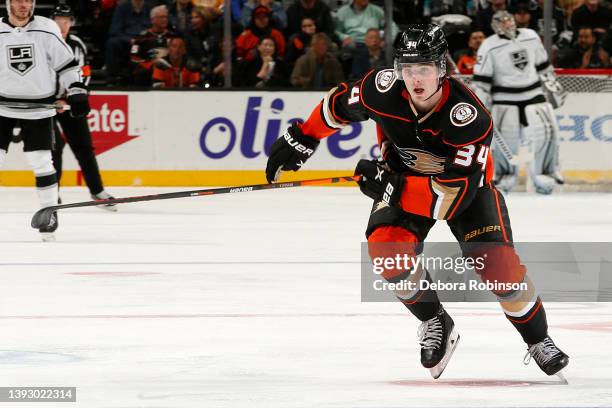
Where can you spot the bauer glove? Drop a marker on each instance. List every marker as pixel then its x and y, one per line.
pixel 378 183
pixel 290 152
pixel 78 100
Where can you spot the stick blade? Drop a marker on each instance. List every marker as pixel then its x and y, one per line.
pixel 41 218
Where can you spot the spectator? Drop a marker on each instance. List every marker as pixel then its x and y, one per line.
pixel 203 40
pixel 150 46
pixel 522 16
pixel 374 55
pixel 180 16
pixel 353 20
pixel 537 20
pixel 215 5
pixel 130 18
pixel 279 15
pixel 298 43
pixel 318 68
pixel 591 14
pixel 94 26
pixel 482 21
pixel 467 58
pixel 587 53
pixel 247 42
pixel 317 10
pixel 265 70
pixel 172 70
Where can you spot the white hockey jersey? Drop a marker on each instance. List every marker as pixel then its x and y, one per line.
pixel 509 70
pixel 32 59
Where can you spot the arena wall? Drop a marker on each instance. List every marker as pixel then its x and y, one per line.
pixel 173 138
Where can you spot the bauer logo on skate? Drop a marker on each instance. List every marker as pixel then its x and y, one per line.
pixel 108 121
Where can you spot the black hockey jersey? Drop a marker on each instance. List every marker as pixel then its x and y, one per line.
pixel 444 153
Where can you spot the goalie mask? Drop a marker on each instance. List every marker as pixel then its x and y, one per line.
pixel 421 44
pixel 504 25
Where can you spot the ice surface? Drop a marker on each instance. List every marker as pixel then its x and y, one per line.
pixel 253 300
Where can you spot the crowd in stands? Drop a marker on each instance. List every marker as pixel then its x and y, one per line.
pixel 305 43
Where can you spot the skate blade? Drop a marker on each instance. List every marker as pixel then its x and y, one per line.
pixel 562 379
pixel 47 236
pixel 111 208
pixel 451 345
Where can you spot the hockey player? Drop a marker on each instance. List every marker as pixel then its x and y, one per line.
pixel 76 130
pixel 34 58
pixel 510 69
pixel 434 136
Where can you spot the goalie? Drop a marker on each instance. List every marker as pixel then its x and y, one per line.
pixel 512 74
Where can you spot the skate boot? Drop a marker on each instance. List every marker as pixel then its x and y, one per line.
pixel 506 182
pixel 543 183
pixel 47 231
pixel 103 195
pixel 548 357
pixel 438 339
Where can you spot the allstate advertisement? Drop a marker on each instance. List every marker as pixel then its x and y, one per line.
pixel 161 132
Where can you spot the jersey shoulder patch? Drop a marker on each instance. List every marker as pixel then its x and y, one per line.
pixel 385 80
pixel 462 114
pixel 468 121
pixel 378 88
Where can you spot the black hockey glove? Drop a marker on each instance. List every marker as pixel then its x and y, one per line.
pixel 378 183
pixel 78 100
pixel 289 152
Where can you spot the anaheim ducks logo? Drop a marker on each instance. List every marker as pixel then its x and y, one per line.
pixel 421 161
pixel 463 114
pixel 385 80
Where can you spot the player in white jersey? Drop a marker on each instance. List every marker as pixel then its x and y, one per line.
pixel 33 58
pixel 510 69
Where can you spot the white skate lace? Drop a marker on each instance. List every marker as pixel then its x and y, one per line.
pixel 542 352
pixel 430 334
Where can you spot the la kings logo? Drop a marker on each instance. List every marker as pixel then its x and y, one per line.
pixel 21 58
pixel 520 59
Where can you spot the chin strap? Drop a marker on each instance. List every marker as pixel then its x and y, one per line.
pixel 440 82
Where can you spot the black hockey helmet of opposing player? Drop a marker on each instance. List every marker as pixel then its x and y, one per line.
pixel 421 43
pixel 62 10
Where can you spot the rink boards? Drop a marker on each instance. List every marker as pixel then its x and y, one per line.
pixel 173 138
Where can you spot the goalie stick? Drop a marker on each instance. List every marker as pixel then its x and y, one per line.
pixel 34 105
pixel 43 216
pixel 503 147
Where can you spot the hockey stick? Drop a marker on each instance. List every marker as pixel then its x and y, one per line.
pixel 503 147
pixel 43 216
pixel 34 105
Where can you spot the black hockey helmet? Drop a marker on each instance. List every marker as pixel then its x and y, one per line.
pixel 62 10
pixel 421 43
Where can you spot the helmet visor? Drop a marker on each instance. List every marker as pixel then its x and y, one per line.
pixel 411 71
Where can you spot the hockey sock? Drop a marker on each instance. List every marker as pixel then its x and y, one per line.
pixel 525 311
pixel 46 178
pixel 422 303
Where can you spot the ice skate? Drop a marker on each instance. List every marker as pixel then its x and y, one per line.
pixel 543 183
pixel 506 182
pixel 438 339
pixel 103 195
pixel 47 231
pixel 548 357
